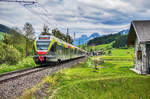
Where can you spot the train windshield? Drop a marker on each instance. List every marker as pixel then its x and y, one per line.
pixel 42 45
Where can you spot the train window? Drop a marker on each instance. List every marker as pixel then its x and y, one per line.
pixel 53 48
pixel 42 45
pixel 59 49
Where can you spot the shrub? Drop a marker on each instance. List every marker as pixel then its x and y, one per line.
pixel 21 49
pixel 9 54
pixel 2 53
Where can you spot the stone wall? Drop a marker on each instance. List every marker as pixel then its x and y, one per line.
pixel 140 64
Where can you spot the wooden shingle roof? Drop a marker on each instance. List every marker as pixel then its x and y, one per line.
pixel 139 29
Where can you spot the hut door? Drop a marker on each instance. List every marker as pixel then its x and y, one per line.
pixel 148 57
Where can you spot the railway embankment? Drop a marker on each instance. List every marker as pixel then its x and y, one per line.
pixel 22 64
pixel 14 87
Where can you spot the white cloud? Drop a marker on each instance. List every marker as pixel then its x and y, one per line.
pixel 80 16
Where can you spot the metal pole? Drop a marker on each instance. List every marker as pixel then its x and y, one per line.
pixel 74 35
pixel 67 34
pixel 79 42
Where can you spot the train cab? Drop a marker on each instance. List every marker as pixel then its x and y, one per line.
pixel 42 49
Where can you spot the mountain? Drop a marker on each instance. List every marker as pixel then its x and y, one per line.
pixel 4 28
pixel 84 39
pixel 94 35
pixel 105 39
pixel 124 31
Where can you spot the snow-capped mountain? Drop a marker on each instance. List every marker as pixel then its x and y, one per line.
pixel 94 35
pixel 124 31
pixel 84 38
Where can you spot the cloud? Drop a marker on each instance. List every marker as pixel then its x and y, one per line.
pixel 80 16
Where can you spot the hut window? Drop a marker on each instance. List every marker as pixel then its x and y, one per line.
pixel 139 55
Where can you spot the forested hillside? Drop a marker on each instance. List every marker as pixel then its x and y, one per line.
pixel 4 28
pixel 104 39
pixel 120 40
pixel 13 45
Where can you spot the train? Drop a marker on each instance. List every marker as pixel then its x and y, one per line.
pixel 49 49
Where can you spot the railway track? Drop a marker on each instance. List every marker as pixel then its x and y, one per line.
pixel 19 73
pixel 13 84
pixel 15 74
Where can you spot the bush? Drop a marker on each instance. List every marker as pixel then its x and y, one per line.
pixel 21 49
pixel 9 54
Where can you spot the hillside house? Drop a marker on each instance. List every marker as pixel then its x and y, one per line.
pixel 139 36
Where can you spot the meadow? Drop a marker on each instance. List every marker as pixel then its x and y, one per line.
pixel 12 53
pixel 112 80
pixel 23 64
pixel 1 36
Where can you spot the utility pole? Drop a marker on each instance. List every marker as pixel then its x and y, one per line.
pixel 67 34
pixel 67 31
pixel 74 36
pixel 79 42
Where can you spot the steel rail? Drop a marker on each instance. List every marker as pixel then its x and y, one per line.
pixel 20 73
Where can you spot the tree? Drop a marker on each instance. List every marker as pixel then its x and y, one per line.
pixel 6 39
pixel 62 36
pixel 28 33
pixel 57 33
pixel 69 39
pixel 16 36
pixel 121 42
pixel 45 30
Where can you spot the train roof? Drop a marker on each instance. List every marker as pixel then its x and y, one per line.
pixel 59 41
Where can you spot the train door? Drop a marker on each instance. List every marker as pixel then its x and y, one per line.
pixel 53 51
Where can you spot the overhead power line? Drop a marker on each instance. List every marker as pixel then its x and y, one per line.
pixel 44 15
pixel 38 15
pixel 19 1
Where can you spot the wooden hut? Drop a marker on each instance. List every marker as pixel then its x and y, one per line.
pixel 139 36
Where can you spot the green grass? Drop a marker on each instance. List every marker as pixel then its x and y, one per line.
pixel 1 35
pixel 108 47
pixel 123 52
pixel 25 63
pixel 120 54
pixel 103 46
pixel 121 88
pixel 98 47
pixel 112 80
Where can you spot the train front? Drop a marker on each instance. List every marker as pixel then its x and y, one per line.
pixel 41 49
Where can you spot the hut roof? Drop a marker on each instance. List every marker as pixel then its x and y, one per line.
pixel 139 29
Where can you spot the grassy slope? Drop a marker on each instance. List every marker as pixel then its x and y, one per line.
pixel 1 35
pixel 113 80
pixel 98 47
pixel 25 63
pixel 104 46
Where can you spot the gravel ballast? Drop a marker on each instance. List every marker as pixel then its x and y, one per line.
pixel 15 87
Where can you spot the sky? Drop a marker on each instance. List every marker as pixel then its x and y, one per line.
pixel 79 16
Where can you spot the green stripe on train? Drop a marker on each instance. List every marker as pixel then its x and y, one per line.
pixel 52 42
pixel 35 45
